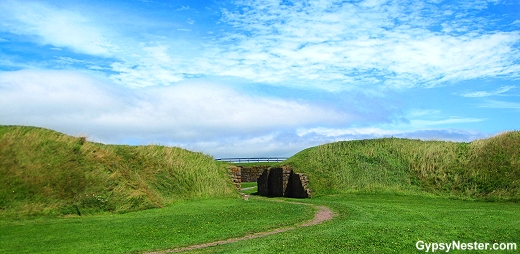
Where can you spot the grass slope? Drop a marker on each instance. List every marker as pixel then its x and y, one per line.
pixel 483 169
pixel 43 172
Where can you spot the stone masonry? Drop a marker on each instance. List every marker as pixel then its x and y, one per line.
pixel 241 174
pixel 283 182
pixel 251 174
pixel 272 182
pixel 236 176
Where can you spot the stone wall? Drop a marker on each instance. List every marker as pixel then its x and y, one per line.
pixel 297 186
pixel 250 174
pixel 272 182
pixel 283 182
pixel 262 183
pixel 236 176
pixel 241 174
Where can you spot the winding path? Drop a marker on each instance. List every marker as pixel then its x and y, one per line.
pixel 322 214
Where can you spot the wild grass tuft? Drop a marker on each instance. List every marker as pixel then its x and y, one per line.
pixel 43 172
pixel 484 169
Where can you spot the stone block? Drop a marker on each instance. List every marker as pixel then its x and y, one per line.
pixel 283 182
pixel 263 184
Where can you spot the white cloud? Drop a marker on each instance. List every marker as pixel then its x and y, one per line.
pixel 289 143
pixel 195 111
pixel 335 132
pixel 420 119
pixel 496 92
pixel 321 44
pixel 501 104
pixel 271 145
pixel 159 95
pixel 58 27
pixel 358 44
pixel 56 94
pixel 418 123
pixel 413 113
pixel 316 136
pixel 207 117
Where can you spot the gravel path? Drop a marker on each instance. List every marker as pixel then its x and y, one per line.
pixel 323 214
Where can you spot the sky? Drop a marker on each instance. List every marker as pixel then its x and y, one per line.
pixel 261 78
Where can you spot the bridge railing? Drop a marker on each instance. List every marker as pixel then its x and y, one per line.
pixel 249 160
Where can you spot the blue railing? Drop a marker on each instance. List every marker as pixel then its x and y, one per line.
pixel 249 160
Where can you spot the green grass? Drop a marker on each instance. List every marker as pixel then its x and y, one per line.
pixel 484 169
pixel 248 184
pixel 252 185
pixel 43 172
pixel 389 223
pixel 388 194
pixel 181 224
pixel 366 223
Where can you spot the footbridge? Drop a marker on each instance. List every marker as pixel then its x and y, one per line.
pixel 254 159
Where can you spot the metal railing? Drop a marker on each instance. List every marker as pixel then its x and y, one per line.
pixel 249 160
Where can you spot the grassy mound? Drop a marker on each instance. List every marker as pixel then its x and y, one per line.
pixel 483 169
pixel 46 172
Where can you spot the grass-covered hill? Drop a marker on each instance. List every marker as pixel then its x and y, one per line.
pixel 43 172
pixel 484 169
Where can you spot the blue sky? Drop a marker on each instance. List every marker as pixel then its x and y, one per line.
pixel 261 78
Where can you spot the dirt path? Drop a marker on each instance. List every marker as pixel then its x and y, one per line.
pixel 323 214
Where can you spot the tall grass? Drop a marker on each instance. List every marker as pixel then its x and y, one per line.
pixel 483 169
pixel 46 172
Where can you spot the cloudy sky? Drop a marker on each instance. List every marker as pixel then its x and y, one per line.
pixel 261 77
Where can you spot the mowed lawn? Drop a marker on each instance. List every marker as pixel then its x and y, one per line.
pixel 388 223
pixel 365 223
pixel 181 224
